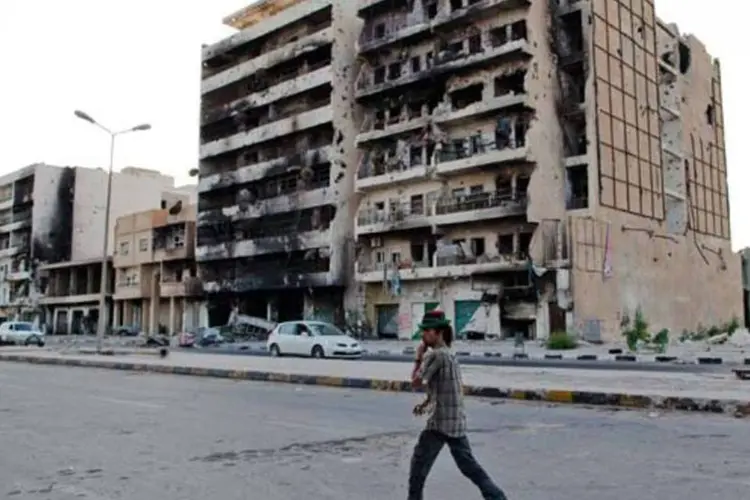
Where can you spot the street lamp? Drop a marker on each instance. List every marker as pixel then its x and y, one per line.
pixel 102 326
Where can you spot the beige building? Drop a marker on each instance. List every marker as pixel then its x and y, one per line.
pixel 540 166
pixel 156 287
pixel 71 296
pixel 277 161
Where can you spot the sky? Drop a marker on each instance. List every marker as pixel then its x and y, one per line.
pixel 126 62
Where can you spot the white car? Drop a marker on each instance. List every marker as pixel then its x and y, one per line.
pixel 312 338
pixel 21 332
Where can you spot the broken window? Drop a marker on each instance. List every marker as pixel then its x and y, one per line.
pixel 380 30
pixel 379 74
pixel 476 189
pixel 417 252
pixel 394 114
pixel 380 206
pixel 415 109
pixel 475 44
pixel 415 155
pixel 477 143
pixel 477 247
pixel 519 129
pixel 574 135
pixel 578 187
pixel 512 83
pixel 456 5
pixel 503 132
pixel 428 59
pixel 499 36
pixel 466 96
pixel 710 114
pixel 432 10
pixel 394 71
pixel 417 204
pixel 518 31
pixel 685 57
pixel 504 244
pixel 379 119
pixel 524 244
pixel 503 185
pixel 522 186
pixel 395 258
pixel 416 64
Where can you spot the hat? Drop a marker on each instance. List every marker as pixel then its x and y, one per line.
pixel 434 319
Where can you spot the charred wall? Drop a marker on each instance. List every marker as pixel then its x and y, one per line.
pixel 52 238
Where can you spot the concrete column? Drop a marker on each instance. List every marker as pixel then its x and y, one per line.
pixel 73 283
pixel 514 185
pixel 171 326
pixel 116 321
pixel 153 316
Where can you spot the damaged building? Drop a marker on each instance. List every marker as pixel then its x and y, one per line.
pixel 277 162
pixel 52 230
pixel 539 166
pixel 156 287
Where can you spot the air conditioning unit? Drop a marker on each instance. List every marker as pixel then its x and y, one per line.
pixel 376 242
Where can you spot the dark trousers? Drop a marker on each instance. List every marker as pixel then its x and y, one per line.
pixel 426 452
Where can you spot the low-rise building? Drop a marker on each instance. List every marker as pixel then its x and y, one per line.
pixel 156 285
pixel 71 297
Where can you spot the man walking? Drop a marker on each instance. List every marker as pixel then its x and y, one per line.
pixel 437 369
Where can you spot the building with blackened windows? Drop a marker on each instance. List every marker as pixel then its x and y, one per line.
pixel 277 162
pixel 539 166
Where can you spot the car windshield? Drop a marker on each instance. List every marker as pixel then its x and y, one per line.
pixel 325 329
pixel 23 327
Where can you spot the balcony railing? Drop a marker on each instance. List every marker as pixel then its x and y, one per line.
pixel 439 262
pixel 445 205
pixel 478 201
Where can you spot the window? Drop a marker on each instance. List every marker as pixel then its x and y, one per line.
pixel 395 258
pixel 379 74
pixel 379 257
pixel 394 71
pixel 477 246
pixel 143 244
pixel 124 247
pixel 416 64
pixel 417 204
pixel 286 329
pixel 380 30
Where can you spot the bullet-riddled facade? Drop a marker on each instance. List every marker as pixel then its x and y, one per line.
pixel 277 162
pixel 544 166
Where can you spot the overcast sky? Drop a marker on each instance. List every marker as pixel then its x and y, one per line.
pixel 131 61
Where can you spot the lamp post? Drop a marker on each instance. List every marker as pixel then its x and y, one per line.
pixel 102 326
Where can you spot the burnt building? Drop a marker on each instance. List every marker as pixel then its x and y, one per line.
pixel 52 218
pixel 539 166
pixel 277 162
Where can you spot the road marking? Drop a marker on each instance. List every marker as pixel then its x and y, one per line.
pixel 128 402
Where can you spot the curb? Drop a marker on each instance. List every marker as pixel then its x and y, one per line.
pixel 734 408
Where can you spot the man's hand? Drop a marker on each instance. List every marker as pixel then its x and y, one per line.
pixel 420 408
pixel 416 381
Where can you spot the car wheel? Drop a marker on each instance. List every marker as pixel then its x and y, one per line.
pixel 32 339
pixel 275 351
pixel 317 352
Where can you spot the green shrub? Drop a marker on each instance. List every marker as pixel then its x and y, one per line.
pixel 637 331
pixel 661 340
pixel 560 341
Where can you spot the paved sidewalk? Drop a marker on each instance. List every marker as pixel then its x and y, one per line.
pixel 679 352
pixel 716 393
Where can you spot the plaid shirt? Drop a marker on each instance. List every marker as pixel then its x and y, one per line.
pixel 442 376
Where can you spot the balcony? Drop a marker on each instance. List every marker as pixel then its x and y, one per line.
pixel 439 269
pixel 448 210
pixel 374 129
pixel 268 60
pixel 307 79
pixel 130 290
pixel 447 62
pixel 257 171
pixel 288 202
pixel 18 275
pixel 189 287
pixel 458 156
pixel 262 246
pixel 278 128
pixel 407 26
pixel 15 221
pixel 279 274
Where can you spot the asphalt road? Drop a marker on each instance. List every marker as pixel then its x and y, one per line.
pixel 506 361
pixel 72 433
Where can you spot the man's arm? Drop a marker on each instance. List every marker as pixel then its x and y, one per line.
pixel 429 367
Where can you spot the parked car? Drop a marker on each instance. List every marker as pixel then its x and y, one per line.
pixel 126 331
pixel 312 338
pixel 22 333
